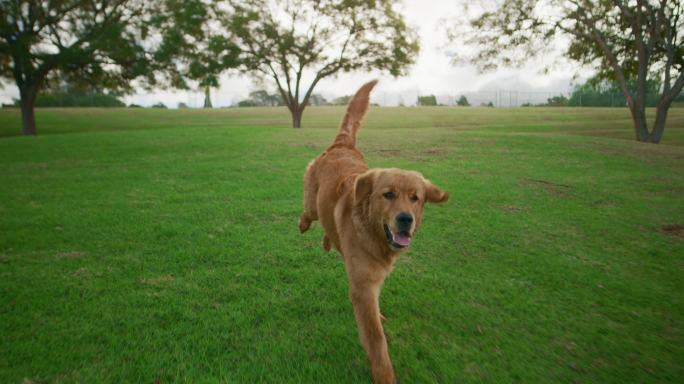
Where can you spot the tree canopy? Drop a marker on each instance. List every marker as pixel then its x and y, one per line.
pixel 77 97
pixel 622 40
pixel 303 41
pixel 94 41
pixel 462 101
pixel 429 100
pixel 193 46
pixel 108 44
pixel 604 93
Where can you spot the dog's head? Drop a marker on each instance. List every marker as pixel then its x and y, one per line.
pixel 391 203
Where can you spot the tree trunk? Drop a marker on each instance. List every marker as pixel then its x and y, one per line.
pixel 640 127
pixel 659 126
pixel 297 116
pixel 28 103
pixel 207 97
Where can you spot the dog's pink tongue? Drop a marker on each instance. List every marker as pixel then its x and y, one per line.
pixel 401 239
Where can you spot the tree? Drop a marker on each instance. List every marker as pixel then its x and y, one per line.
pixel 317 100
pixel 207 97
pixel 77 98
pixel 261 97
pixel 342 100
pixel 597 92
pixel 297 41
pixel 557 101
pixel 429 100
pixel 247 103
pixel 108 44
pixel 192 46
pixel 93 41
pixel 72 95
pixel 462 101
pixel 625 40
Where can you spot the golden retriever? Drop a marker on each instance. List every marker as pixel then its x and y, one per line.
pixel 369 216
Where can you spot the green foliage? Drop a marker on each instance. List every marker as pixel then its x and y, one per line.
pixel 77 98
pixel 601 93
pixel 510 32
pixel 261 98
pixel 463 101
pixel 317 100
pixel 265 99
pixel 624 41
pixel 158 105
pixel 349 35
pixel 193 45
pixel 108 44
pixel 248 103
pixel 557 101
pixel 429 100
pixel 284 39
pixel 85 41
pixel 342 100
pixel 161 245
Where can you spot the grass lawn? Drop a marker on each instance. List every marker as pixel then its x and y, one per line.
pixel 162 245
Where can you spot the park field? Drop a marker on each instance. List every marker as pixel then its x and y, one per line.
pixel 158 246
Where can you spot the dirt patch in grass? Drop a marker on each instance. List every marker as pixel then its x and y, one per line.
pixel 513 209
pixel 676 230
pixel 650 153
pixel 556 189
pixel 602 203
pixel 418 155
pixel 80 272
pixel 158 280
pixel 71 255
pixel 436 151
pixel 311 146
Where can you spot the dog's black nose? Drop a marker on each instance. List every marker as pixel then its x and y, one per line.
pixel 404 221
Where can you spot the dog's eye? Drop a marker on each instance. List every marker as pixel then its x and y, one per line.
pixel 389 195
pixel 414 198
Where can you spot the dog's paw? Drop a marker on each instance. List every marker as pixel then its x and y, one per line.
pixel 304 224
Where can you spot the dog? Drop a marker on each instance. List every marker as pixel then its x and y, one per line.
pixel 370 217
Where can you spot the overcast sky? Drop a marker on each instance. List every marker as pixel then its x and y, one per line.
pixel 432 74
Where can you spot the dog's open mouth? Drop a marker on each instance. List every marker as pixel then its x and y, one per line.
pixel 400 239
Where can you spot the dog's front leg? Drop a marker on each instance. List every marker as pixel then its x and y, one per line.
pixel 364 297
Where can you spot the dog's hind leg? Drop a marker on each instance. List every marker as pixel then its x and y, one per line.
pixel 310 213
pixel 326 243
pixel 304 223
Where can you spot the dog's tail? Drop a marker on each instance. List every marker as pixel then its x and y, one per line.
pixel 357 108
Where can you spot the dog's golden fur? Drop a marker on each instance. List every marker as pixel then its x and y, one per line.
pixel 359 208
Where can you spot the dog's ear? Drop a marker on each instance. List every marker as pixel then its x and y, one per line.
pixel 433 194
pixel 363 186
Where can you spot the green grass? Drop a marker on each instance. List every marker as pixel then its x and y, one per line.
pixel 138 245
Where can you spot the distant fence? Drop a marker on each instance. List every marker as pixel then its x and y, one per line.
pixel 502 98
pixel 506 98
pixel 511 99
